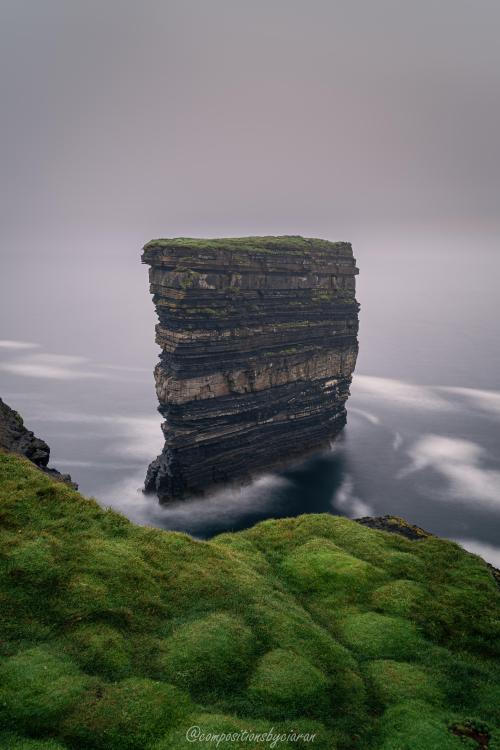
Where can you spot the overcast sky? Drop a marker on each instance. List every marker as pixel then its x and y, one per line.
pixel 127 120
pixel 374 122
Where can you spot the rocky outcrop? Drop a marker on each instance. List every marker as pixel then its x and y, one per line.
pixel 395 525
pixel 259 342
pixel 398 525
pixel 15 437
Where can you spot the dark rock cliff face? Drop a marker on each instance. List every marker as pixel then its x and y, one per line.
pixel 395 525
pixel 259 342
pixel 16 438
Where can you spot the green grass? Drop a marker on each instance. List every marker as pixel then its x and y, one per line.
pixel 120 637
pixel 395 681
pixel 293 244
pixel 287 685
pixel 125 715
pixel 209 655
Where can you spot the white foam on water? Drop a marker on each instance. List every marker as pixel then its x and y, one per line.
pixel 460 462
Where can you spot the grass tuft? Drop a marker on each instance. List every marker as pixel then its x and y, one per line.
pixel 119 637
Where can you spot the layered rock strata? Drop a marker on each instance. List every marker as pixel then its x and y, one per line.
pixel 259 342
pixel 16 438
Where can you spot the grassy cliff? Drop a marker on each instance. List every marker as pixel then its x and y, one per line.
pixel 118 637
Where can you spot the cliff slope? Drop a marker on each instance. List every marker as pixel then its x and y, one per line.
pixel 119 637
pixel 259 341
pixel 15 436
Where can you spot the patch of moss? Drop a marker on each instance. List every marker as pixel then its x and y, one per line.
pixel 415 725
pixel 99 649
pixel 114 636
pixel 321 568
pixel 396 681
pixel 225 731
pixel 14 742
pixel 400 597
pixel 375 636
pixel 209 655
pixel 293 244
pixel 37 689
pixel 189 278
pixel 294 324
pixel 286 685
pixel 128 715
pixel 324 295
pixel 210 311
pixel 282 352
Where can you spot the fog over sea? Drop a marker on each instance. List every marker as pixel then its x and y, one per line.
pixel 77 355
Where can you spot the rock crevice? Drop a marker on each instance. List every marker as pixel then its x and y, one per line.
pixel 259 342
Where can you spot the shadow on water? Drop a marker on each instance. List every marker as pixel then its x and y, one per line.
pixel 315 482
pixel 307 487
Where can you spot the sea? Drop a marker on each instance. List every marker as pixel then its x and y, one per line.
pixel 77 354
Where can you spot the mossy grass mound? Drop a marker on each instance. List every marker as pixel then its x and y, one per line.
pixel 210 655
pixel 415 725
pixel 114 636
pixel 251 734
pixel 126 715
pixel 286 685
pixel 371 635
pixel 396 681
pixel 100 648
pixel 37 689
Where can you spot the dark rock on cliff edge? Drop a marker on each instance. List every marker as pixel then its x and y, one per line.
pixel 397 525
pixel 15 437
pixel 259 342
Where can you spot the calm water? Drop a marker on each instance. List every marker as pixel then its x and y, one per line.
pixel 423 418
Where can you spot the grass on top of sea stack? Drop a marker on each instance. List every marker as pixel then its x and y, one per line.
pixel 120 637
pixel 260 244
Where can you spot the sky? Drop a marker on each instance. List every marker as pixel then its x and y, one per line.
pixel 372 122
pixel 137 119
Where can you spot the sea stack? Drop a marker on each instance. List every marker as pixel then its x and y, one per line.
pixel 259 343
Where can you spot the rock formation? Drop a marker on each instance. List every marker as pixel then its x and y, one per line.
pixel 259 342
pixel 394 525
pixel 15 437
